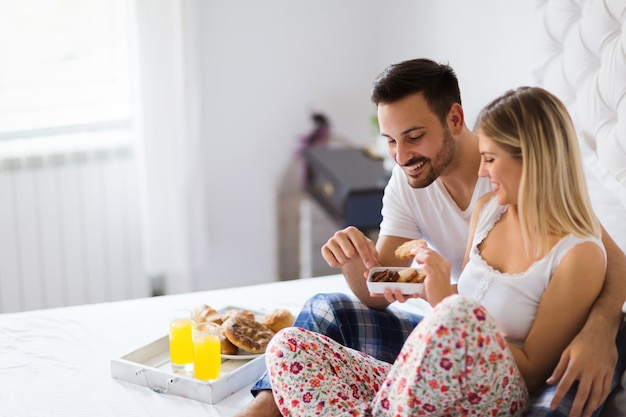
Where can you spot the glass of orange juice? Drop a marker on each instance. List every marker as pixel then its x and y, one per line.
pixel 181 345
pixel 207 360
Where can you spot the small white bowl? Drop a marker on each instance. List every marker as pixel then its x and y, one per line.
pixel 407 288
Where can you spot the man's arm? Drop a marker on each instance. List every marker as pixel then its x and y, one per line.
pixel 591 356
pixel 355 253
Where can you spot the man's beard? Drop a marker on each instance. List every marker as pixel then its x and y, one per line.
pixel 437 165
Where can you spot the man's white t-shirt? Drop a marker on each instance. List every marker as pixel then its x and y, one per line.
pixel 431 214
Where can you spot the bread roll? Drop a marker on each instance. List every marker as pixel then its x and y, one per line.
pixel 404 251
pixel 226 346
pixel 279 319
pixel 246 333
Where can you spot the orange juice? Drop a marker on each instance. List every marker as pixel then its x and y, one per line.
pixel 207 359
pixel 181 346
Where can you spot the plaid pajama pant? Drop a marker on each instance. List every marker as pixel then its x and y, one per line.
pixel 382 334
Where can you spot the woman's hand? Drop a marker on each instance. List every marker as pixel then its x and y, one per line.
pixel 437 269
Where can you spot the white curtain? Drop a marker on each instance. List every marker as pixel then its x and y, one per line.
pixel 175 220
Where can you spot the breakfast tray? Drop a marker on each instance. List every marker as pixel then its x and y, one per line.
pixel 150 366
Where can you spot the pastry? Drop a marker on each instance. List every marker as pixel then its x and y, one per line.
pixel 233 311
pixel 279 319
pixel 226 346
pixel 246 333
pixel 205 313
pixel 404 251
pixel 411 275
pixel 386 275
pixel 406 275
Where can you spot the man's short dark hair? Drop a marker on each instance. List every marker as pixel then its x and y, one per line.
pixel 437 83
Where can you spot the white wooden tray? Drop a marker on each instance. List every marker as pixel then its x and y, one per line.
pixel 150 366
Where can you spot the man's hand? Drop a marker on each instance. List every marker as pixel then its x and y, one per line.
pixel 590 359
pixel 396 295
pixel 349 244
pixel 355 253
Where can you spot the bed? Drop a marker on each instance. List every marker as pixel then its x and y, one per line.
pixel 56 362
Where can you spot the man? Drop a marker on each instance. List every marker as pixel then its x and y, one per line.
pixel 430 196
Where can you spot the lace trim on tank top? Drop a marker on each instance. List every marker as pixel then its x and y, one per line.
pixel 487 276
pixel 489 271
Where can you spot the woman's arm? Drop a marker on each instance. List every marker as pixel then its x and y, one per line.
pixel 562 311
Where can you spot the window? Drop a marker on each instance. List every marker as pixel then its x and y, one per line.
pixel 64 66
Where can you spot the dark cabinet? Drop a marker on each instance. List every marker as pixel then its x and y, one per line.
pixel 348 184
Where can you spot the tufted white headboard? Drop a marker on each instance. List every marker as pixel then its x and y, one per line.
pixel 581 57
pixel 579 49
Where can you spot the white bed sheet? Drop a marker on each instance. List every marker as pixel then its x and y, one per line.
pixel 56 362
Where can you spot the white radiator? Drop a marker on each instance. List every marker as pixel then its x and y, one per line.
pixel 70 230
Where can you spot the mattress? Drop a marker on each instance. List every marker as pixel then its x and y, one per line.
pixel 56 362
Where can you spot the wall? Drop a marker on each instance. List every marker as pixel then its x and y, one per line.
pixel 486 42
pixel 264 66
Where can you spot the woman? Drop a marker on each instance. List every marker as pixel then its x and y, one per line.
pixel 533 267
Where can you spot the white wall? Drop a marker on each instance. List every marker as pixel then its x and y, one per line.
pixel 264 66
pixel 486 42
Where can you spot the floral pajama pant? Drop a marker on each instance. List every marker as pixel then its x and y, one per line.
pixel 454 363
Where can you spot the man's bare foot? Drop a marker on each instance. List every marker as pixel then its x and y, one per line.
pixel 262 405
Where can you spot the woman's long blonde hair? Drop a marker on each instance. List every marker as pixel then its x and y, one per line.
pixel 534 125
